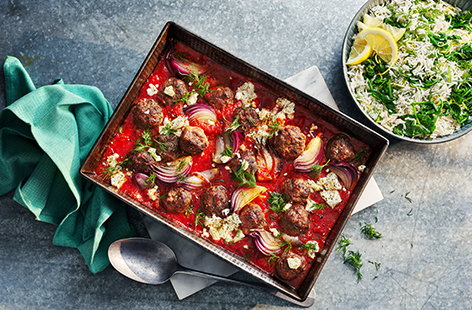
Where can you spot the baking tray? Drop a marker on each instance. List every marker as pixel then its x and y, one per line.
pixel 173 32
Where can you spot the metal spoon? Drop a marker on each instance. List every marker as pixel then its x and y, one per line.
pixel 152 262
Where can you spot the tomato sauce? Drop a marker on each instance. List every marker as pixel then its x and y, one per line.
pixel 321 221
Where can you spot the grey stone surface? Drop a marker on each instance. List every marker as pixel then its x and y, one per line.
pixel 425 257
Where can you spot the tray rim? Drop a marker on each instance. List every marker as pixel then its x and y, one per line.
pixel 206 244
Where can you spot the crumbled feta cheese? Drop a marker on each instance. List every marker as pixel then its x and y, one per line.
pixel 225 212
pixel 205 233
pixel 310 205
pixel 274 232
pixel 192 99
pixel 175 125
pixel 169 91
pixel 225 229
pixel 330 182
pixel 314 185
pixel 331 197
pixel 239 236
pixel 287 206
pixel 246 94
pixel 284 108
pixel 361 168
pixel 152 193
pixel 261 134
pixel 118 179
pixel 246 246
pixel 244 165
pixel 152 90
pixel 294 262
pixel 265 115
pixel 152 152
pixel 112 160
pixel 226 167
pixel 312 252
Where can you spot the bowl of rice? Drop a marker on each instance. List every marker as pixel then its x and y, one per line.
pixel 419 89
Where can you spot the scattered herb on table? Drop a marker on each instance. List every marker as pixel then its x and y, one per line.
pixel 343 243
pixel 407 197
pixel 369 232
pixel 410 213
pixel 376 264
pixel 354 259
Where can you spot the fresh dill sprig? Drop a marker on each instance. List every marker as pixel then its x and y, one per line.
pixel 369 232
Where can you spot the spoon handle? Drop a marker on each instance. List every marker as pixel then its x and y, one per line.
pixel 269 289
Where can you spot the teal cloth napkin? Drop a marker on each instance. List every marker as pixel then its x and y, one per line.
pixel 45 135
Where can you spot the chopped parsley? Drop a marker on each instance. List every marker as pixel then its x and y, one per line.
pixel 167 129
pixel 316 206
pixel 376 264
pixel 316 169
pixel 276 201
pixel 199 217
pixel 144 141
pixel 369 232
pixel 274 127
pixel 162 145
pixel 151 180
pixel 359 157
pixel 201 86
pixel 410 213
pixel 244 177
pixel 407 197
pixel 354 259
pixel 310 246
pixel 343 243
pixel 180 165
pixel 273 258
pixel 228 151
pixel 234 125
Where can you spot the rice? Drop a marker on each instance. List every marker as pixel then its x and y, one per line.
pixel 428 75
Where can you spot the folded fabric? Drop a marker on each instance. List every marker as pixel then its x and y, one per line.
pixel 45 135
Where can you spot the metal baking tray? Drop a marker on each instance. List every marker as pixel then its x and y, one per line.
pixel 174 32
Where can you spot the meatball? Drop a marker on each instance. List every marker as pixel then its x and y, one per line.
pixel 220 97
pixel 289 142
pixel 251 217
pixel 147 114
pixel 290 266
pixel 167 146
pixel 296 190
pixel 177 200
pixel 141 162
pixel 295 221
pixel 339 148
pixel 193 140
pixel 245 156
pixel 172 90
pixel 247 118
pixel 214 200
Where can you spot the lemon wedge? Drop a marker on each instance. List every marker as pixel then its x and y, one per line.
pixel 381 42
pixel 373 22
pixel 360 51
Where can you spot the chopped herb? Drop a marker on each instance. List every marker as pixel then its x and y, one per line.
pixel 109 171
pixel 144 141
pixel 244 177
pixel 163 196
pixel 310 246
pixel 167 129
pixel 228 151
pixel 375 278
pixel 317 206
pixel 234 125
pixel 151 180
pixel 392 191
pixel 199 218
pixel 287 245
pixel 463 19
pixel 376 219
pixel 343 243
pixel 185 98
pixel 201 86
pixel 189 210
pixel 354 259
pixel 273 258
pixel 120 129
pixel 180 166
pixel 379 85
pixel 369 232
pixel 316 169
pixel 410 213
pixel 376 264
pixel 407 197
pixel 162 145
pixel 274 128
pixel 276 201
pixel 359 157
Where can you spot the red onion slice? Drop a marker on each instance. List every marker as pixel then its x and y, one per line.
pixel 243 196
pixel 175 170
pixel 224 141
pixel 140 179
pixel 313 155
pixel 346 172
pixel 266 243
pixel 201 112
pixel 198 179
pixel 180 64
